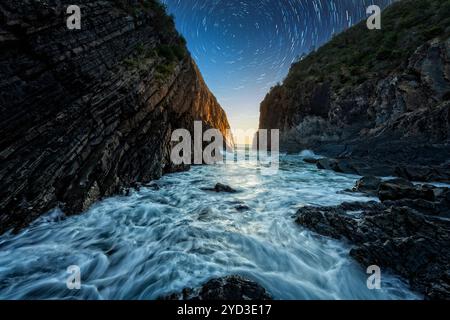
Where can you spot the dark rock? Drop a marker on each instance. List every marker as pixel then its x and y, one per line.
pixel 427 199
pixel 369 185
pixel 221 188
pixel 152 186
pixel 394 122
pixel 345 166
pixel 338 165
pixel 423 173
pixel 242 207
pixel 224 188
pixel 232 288
pixel 205 214
pixel 401 239
pixel 326 164
pixel 402 189
pixel 88 113
pixel 311 160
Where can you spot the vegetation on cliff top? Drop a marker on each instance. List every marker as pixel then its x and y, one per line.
pixel 172 48
pixel 359 54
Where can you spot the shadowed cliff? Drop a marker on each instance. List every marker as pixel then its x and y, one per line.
pixel 86 113
pixel 380 97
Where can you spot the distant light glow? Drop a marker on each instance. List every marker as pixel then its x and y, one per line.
pixel 244 47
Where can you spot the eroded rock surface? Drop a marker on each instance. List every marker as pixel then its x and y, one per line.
pixel 374 103
pixel 88 112
pixel 408 234
pixel 234 288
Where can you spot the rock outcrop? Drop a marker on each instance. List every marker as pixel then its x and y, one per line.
pixel 88 112
pixel 219 187
pixel 232 288
pixel 407 233
pixel 380 98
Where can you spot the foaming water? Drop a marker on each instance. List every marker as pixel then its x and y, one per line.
pixel 156 242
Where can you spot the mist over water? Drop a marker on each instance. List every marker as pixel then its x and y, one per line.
pixel 156 242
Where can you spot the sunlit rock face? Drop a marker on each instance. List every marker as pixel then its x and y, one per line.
pixel 88 112
pixel 380 94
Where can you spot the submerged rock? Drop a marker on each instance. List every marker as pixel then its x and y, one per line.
pixel 223 289
pixel 221 188
pixel 311 160
pixel 242 207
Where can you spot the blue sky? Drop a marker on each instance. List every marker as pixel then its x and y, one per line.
pixel 244 47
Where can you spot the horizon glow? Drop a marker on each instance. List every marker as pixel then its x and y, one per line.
pixel 245 47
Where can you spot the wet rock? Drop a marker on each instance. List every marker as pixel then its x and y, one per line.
pixel 401 239
pixel 224 289
pixel 242 207
pixel 400 192
pixel 337 165
pixel 224 188
pixel 369 185
pixel 402 189
pixel 311 160
pixel 221 188
pixel 424 173
pixel 153 186
pixel 345 166
pixel 325 164
pixel 205 214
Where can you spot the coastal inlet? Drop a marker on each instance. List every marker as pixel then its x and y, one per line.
pixel 176 234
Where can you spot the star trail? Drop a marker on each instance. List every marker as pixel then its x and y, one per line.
pixel 244 47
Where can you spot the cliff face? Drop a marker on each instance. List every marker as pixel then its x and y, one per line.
pixel 88 112
pixel 382 95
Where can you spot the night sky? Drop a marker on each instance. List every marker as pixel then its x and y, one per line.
pixel 244 47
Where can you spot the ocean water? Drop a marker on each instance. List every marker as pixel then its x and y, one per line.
pixel 156 242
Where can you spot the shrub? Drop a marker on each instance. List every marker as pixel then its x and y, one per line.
pixel 172 53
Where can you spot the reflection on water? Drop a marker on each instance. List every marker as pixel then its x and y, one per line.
pixel 155 242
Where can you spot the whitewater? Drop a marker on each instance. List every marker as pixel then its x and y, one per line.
pixel 173 234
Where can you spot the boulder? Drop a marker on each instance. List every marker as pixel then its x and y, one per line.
pixel 221 188
pixel 231 288
pixel 369 185
pixel 242 208
pixel 311 160
pixel 397 189
pixel 337 165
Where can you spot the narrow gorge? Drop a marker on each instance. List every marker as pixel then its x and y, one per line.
pixel 88 182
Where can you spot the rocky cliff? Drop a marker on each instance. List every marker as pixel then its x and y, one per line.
pixel 378 97
pixel 86 113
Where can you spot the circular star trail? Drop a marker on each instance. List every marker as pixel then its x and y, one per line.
pixel 244 47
